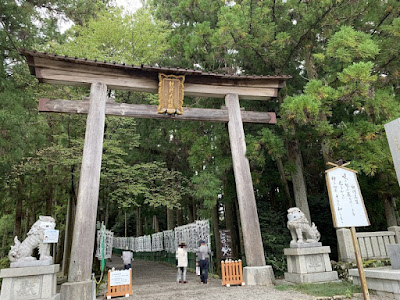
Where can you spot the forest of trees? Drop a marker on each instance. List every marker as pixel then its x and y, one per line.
pixel 343 56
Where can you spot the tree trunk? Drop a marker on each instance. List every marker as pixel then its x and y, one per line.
pixel 18 208
pixel 190 213
pixel 230 224
pixel 27 223
pixel 49 190
pixel 179 217
pixel 284 182
pixel 156 226
pixel 60 245
pixel 146 225
pixel 139 226
pixel 390 212
pixel 106 215
pixel 309 62
pixel 194 212
pixel 216 239
pixel 299 183
pixel 69 227
pixel 4 244
pixel 49 176
pixel 240 229
pixel 309 65
pixel 170 219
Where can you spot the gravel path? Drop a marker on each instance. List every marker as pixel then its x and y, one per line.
pixel 157 281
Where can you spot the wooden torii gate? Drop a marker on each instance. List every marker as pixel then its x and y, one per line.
pixel 100 76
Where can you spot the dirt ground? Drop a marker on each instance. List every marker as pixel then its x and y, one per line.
pixel 157 281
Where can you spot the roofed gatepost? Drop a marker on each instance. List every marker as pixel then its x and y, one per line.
pixel 54 69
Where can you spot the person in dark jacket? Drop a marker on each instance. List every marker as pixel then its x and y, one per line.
pixel 202 258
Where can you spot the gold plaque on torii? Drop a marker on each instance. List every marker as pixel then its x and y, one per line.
pixel 170 94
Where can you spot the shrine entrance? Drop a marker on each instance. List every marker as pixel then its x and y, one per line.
pixel 101 76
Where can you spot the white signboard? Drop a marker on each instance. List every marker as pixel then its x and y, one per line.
pixel 120 277
pixel 393 136
pixel 50 236
pixel 345 197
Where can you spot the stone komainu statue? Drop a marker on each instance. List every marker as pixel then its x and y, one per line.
pixel 23 251
pixel 300 228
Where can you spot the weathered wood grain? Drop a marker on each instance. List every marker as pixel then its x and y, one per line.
pixel 86 210
pixel 253 245
pixel 150 111
pixel 66 71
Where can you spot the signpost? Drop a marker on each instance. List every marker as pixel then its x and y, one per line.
pixel 348 210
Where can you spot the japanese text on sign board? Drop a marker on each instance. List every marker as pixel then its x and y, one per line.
pixel 347 204
pixel 120 277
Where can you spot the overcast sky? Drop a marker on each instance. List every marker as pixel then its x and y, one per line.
pixel 129 5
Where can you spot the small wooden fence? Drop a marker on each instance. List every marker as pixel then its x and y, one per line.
pixel 119 290
pixel 232 273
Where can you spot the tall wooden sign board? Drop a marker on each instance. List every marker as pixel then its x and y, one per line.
pixel 348 209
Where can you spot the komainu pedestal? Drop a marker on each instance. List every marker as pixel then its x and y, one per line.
pixel 308 265
pixel 307 260
pixel 27 283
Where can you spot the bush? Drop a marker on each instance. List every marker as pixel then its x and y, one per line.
pixel 343 267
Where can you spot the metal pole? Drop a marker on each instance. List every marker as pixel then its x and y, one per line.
pixel 363 280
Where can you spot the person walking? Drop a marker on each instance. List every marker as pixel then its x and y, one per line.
pixel 181 262
pixel 202 258
pixel 127 258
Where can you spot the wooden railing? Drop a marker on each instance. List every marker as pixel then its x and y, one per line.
pixel 372 244
pixel 232 272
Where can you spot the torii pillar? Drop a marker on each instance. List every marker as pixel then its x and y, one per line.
pixel 79 285
pixel 256 272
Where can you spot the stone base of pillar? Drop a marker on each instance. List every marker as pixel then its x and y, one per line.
pixel 259 275
pixel 77 290
pixel 30 283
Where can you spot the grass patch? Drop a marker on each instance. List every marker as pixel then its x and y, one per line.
pixel 329 289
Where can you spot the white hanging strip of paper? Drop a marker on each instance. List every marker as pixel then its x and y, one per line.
pixel 109 243
pixel 178 236
pixel 147 243
pixel 157 241
pixel 203 231
pixel 169 241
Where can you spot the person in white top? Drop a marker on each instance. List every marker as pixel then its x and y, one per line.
pixel 127 258
pixel 181 262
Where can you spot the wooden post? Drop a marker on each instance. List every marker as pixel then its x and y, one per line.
pixel 244 186
pixel 363 281
pixel 86 210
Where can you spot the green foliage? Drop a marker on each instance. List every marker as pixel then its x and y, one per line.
pixel 132 39
pixel 348 45
pixel 345 76
pixel 206 187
